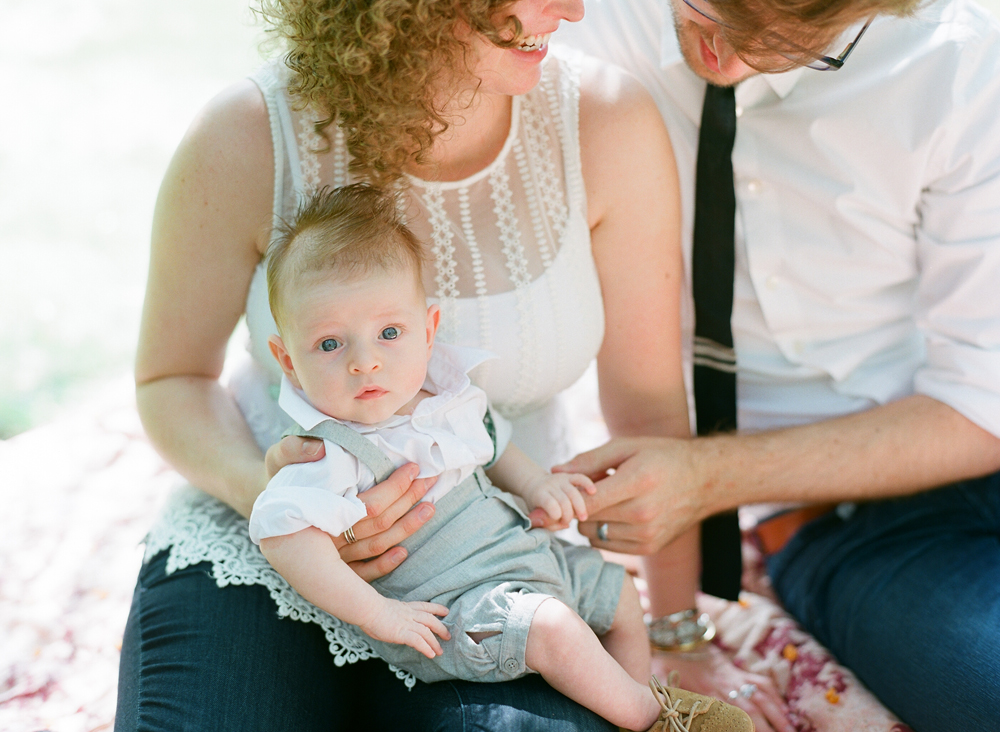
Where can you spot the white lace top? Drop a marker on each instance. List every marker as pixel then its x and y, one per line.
pixel 511 268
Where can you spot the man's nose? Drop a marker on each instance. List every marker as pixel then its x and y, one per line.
pixel 730 64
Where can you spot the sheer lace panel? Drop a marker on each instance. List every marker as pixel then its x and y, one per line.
pixel 519 200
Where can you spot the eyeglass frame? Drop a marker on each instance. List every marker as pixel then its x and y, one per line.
pixel 829 63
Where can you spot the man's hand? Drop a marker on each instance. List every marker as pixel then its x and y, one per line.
pixel 390 518
pixel 650 497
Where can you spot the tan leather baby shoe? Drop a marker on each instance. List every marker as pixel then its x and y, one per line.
pixel 685 711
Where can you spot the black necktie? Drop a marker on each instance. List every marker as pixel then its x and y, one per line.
pixel 713 264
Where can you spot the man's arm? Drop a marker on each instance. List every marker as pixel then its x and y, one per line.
pixel 662 486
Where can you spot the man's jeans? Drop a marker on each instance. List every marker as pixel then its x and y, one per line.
pixel 197 657
pixel 906 593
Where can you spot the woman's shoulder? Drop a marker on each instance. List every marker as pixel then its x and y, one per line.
pixel 609 91
pixel 234 119
pixel 227 150
pixel 623 139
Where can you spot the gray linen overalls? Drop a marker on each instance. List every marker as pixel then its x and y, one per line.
pixel 479 557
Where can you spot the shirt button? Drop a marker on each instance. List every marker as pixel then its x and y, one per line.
pixel 754 186
pixel 739 111
pixel 511 664
pixel 773 282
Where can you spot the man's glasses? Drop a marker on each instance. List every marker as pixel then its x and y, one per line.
pixel 787 49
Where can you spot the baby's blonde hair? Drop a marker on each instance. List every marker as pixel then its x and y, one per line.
pixel 350 231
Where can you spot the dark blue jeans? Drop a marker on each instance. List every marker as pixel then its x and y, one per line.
pixel 197 657
pixel 906 593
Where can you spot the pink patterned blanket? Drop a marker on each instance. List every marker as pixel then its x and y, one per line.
pixel 78 497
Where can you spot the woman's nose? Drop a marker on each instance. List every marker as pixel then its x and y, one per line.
pixel 571 10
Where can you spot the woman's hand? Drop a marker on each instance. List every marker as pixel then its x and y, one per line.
pixel 713 674
pixel 391 513
pixel 650 498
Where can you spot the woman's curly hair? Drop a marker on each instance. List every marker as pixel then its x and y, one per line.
pixel 372 67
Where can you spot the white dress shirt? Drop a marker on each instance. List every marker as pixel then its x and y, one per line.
pixel 444 435
pixel 868 211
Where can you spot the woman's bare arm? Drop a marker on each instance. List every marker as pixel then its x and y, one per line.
pixel 210 228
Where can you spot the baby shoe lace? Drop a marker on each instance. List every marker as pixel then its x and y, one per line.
pixel 669 712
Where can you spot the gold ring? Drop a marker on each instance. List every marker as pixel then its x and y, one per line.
pixel 349 535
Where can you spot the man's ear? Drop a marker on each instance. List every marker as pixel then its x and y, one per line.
pixel 433 320
pixel 280 354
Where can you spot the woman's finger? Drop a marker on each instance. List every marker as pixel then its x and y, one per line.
pixel 378 498
pixel 376 544
pixel 289 450
pixel 380 566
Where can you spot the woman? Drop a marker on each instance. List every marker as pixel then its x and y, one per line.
pixel 545 194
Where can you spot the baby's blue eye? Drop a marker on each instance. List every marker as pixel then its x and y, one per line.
pixel 330 344
pixel 390 334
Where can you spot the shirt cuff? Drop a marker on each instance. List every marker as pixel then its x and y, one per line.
pixel 287 509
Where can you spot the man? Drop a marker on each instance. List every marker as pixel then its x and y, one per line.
pixel 865 323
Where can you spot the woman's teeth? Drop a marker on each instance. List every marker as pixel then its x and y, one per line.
pixel 534 43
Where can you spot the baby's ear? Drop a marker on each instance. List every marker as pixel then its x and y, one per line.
pixel 433 320
pixel 280 354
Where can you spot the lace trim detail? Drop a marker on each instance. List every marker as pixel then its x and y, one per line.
pixel 478 274
pixel 442 235
pixel 549 182
pixel 339 159
pixel 517 267
pixel 197 528
pixel 309 143
pixel 542 182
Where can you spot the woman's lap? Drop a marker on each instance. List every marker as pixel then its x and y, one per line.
pixel 199 657
pixel 905 593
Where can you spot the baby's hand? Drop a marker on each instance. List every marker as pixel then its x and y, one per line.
pixel 409 623
pixel 558 495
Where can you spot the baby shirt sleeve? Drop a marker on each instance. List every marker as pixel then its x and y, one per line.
pixel 323 494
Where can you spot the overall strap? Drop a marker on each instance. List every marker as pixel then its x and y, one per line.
pixel 354 443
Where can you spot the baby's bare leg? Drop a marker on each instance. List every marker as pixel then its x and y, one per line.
pixel 568 655
pixel 627 641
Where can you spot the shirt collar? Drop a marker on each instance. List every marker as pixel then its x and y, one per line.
pixel 447 375
pixel 670 55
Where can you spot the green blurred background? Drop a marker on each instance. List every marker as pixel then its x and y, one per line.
pixel 98 93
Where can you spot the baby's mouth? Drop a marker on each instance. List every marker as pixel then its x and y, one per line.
pixel 534 43
pixel 370 392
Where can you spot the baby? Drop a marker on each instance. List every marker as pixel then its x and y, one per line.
pixel 362 371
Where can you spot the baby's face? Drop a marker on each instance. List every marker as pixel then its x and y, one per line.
pixel 357 348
